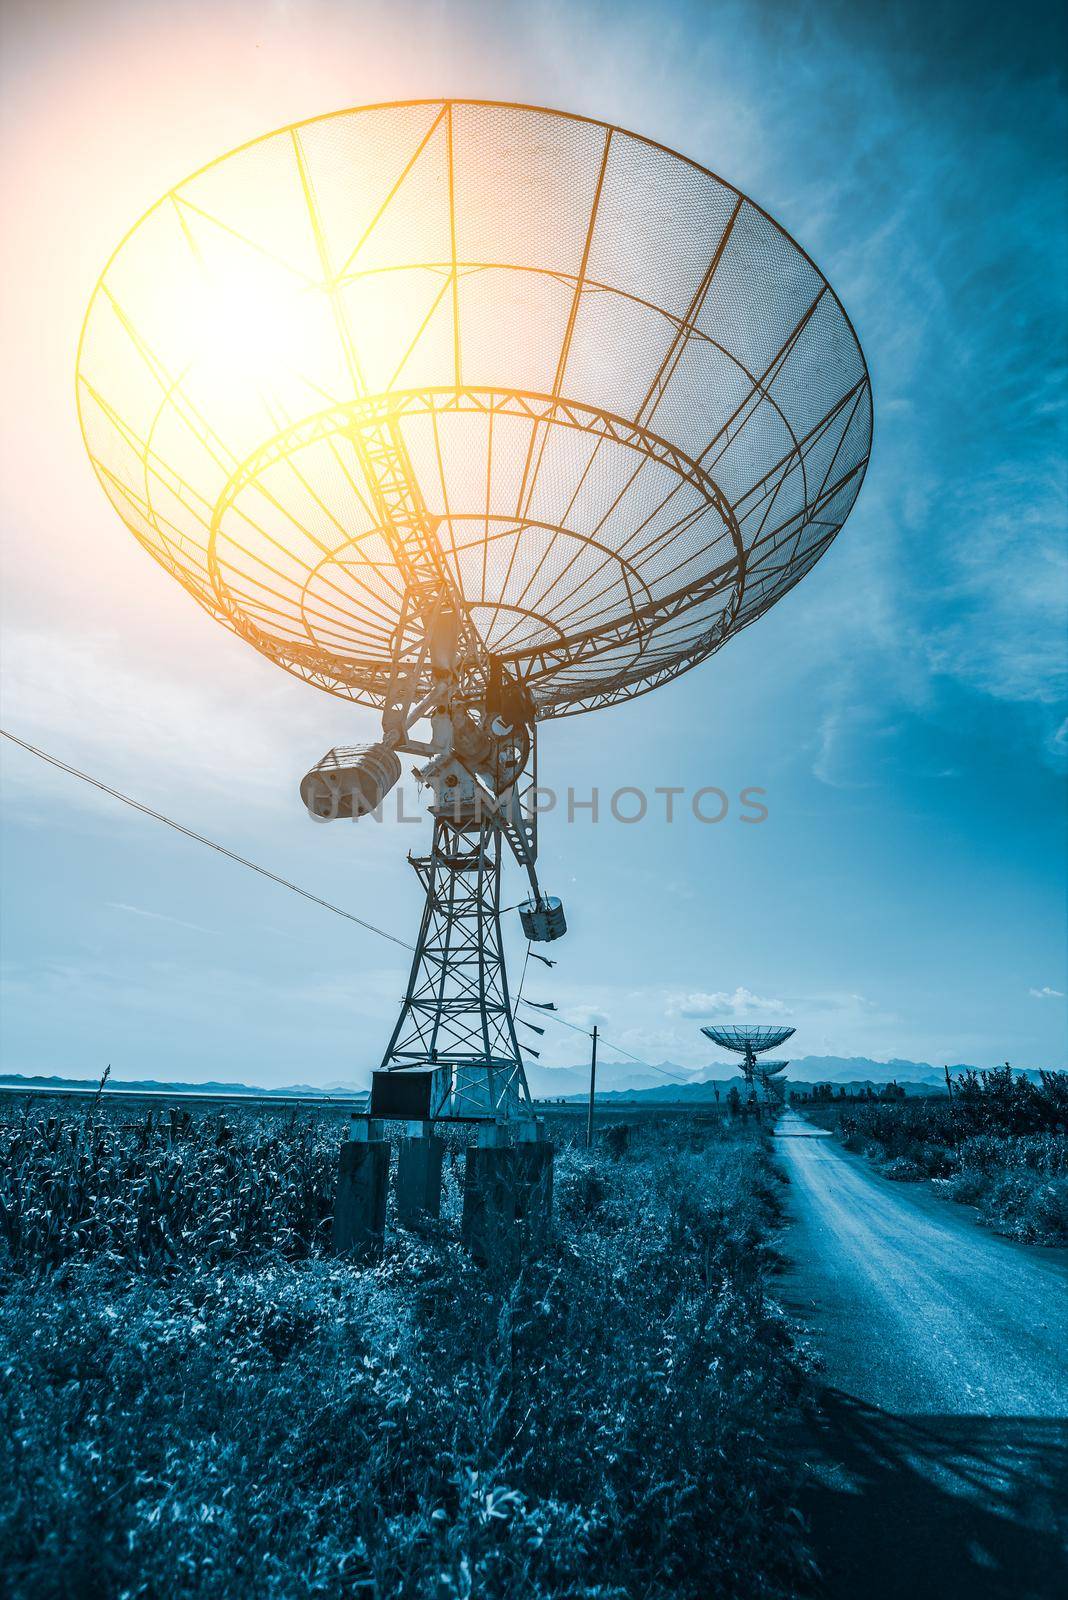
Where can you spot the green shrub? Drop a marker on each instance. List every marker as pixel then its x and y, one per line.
pixel 1000 1147
pixel 903 1169
pixel 1020 1186
pixel 616 1138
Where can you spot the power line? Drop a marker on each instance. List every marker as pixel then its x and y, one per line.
pixel 285 883
pixel 673 1077
pixel 190 833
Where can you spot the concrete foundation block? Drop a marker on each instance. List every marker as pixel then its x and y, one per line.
pixel 487 1227
pixel 534 1190
pixel 419 1177
pixel 360 1202
pixel 508 1192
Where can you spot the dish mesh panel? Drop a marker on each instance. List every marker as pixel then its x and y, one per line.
pixel 634 409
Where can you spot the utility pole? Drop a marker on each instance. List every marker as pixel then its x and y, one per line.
pixel 952 1113
pixel 593 1088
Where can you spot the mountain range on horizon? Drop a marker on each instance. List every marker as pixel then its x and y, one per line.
pixel 669 1076
pixel 665 1080
pixel 675 1081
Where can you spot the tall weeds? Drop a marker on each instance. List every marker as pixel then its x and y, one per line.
pixel 165 1188
pixel 235 1417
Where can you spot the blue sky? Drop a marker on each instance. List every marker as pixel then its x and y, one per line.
pixel 903 708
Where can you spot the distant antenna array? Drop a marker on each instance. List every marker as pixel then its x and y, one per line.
pixel 477 415
pixel 752 1042
pixel 772 1084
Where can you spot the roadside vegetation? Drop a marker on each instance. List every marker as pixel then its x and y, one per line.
pixel 1000 1144
pixel 196 1398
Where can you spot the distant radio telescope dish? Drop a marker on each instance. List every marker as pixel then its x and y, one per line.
pixel 476 414
pixel 751 1041
pixel 747 1038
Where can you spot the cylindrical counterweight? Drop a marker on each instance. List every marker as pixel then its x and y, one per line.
pixel 350 782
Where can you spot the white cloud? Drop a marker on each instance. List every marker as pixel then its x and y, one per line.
pixel 587 1017
pixel 159 730
pixel 1046 993
pixel 844 752
pixel 157 916
pixel 1007 589
pixel 721 1004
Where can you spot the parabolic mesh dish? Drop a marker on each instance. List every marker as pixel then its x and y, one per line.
pixel 770 1068
pixel 633 409
pixel 743 1037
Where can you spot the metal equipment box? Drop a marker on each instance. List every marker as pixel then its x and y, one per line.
pixel 409 1094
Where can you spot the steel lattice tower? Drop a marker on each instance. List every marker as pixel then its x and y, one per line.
pixel 456 1011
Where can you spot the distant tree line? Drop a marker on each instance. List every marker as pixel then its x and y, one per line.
pixel 823 1093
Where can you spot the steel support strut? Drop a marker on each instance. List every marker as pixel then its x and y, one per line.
pixel 456 1012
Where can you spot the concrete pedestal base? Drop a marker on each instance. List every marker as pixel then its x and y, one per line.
pixel 507 1199
pixel 534 1191
pixel 487 1227
pixel 419 1177
pixel 360 1202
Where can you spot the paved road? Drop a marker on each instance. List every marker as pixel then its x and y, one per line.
pixel 939 1461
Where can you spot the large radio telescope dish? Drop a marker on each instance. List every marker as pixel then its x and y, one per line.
pixel 634 411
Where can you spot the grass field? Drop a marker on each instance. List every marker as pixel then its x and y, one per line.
pixel 198 1399
pixel 1000 1145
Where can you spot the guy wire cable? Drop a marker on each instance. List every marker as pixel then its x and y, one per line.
pixel 190 833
